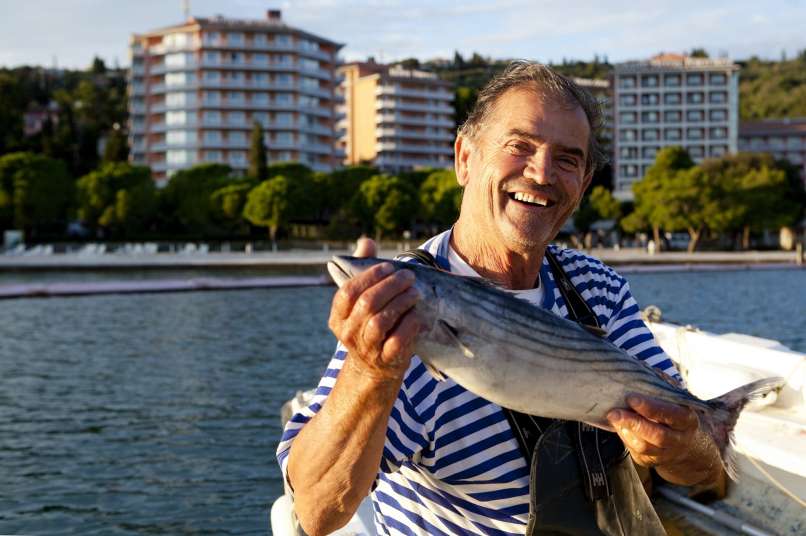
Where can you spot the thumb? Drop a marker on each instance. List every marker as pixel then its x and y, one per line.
pixel 365 248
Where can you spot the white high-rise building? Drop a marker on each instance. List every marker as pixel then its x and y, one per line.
pixel 197 88
pixel 672 100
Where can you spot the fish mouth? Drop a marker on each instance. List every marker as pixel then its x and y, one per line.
pixel 339 271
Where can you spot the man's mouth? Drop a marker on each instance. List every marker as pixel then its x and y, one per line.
pixel 531 199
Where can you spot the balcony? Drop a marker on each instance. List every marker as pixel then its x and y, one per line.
pixel 447 137
pixel 223 144
pixel 396 119
pixel 435 94
pixel 245 65
pixel 413 148
pixel 413 107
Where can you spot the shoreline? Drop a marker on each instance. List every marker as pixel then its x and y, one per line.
pixel 626 260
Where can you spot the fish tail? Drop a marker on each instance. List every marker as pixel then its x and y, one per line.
pixel 725 412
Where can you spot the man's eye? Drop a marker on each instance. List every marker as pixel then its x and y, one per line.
pixel 568 163
pixel 519 148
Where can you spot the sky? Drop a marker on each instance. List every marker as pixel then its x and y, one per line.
pixel 69 33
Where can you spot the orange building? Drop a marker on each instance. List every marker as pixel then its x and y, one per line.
pixel 197 88
pixel 396 119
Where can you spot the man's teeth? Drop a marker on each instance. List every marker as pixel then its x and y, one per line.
pixel 532 200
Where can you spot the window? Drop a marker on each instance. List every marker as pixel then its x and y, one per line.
pixel 309 64
pixel 260 59
pixel 718 115
pixel 696 151
pixel 235 57
pixel 236 118
pixel 672 98
pixel 650 99
pixel 718 133
pixel 284 138
pixel 178 137
pixel 649 153
pixel 650 117
pixel 694 134
pixel 235 96
pixel 626 82
pixel 627 99
pixel 284 118
pixel 180 99
pixel 282 40
pixel 238 157
pixel 793 143
pixel 261 117
pixel 628 152
pixel 212 136
pixel 776 142
pixel 213 156
pixel 718 97
pixel 695 98
pixel 212 76
pixel 628 135
pixel 650 134
pixel 283 98
pixel 672 116
pixel 212 57
pixel 695 116
pixel 718 150
pixel 237 137
pixel 283 79
pixel 176 118
pixel 694 79
pixel 628 118
pixel 235 38
pixel 630 170
pixel 178 157
pixel 259 39
pixel 671 80
pixel 672 134
pixel 649 80
pixel 212 97
pixel 718 79
pixel 211 37
pixel 212 116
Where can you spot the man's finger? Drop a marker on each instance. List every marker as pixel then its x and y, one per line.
pixel 629 424
pixel 674 416
pixel 348 295
pixel 365 247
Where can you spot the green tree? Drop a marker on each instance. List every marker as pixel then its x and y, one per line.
pixel 35 192
pixel 385 204
pixel 229 202
pixel 257 154
pixel 440 198
pixel 185 202
pixel 117 147
pixel 117 198
pixel 464 98
pixel 267 205
pixel 650 210
pixel 599 204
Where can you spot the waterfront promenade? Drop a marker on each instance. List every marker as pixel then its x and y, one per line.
pixel 626 259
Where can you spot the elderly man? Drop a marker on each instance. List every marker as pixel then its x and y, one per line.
pixel 439 459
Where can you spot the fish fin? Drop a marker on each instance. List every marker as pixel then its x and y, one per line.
pixel 437 374
pixel 453 335
pixel 726 409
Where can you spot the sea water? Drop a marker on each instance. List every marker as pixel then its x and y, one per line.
pixel 159 413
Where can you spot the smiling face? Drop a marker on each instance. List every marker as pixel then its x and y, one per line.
pixel 524 173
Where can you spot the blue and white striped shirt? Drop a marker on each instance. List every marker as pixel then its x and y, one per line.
pixel 451 464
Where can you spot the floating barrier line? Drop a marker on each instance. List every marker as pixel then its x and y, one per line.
pixel 60 290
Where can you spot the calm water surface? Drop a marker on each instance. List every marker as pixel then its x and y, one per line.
pixel 159 414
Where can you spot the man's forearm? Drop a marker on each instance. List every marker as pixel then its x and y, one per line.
pixel 335 459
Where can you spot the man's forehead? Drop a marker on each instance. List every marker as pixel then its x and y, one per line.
pixel 525 111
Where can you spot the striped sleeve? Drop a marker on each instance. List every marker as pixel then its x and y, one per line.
pixel 405 434
pixel 627 330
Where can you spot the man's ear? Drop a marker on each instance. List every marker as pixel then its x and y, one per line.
pixel 461 158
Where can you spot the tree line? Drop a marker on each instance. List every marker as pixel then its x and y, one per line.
pixel 731 196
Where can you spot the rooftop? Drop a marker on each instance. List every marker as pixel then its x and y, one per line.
pixel 668 60
pixel 787 125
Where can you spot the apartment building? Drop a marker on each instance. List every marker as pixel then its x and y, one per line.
pixel 602 91
pixel 672 100
pixel 197 88
pixel 783 138
pixel 395 118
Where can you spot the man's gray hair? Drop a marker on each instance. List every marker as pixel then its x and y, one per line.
pixel 548 84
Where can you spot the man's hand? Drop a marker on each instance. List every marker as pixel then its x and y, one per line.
pixel 667 437
pixel 372 316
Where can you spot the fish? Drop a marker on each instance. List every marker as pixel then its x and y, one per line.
pixel 525 358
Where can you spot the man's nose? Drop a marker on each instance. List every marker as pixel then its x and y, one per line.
pixel 540 167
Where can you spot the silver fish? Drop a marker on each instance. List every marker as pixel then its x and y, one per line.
pixel 525 358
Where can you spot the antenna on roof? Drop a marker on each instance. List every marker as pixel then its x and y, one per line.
pixel 186 9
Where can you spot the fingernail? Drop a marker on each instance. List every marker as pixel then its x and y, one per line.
pixel 614 415
pixel 387 268
pixel 633 399
pixel 408 274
